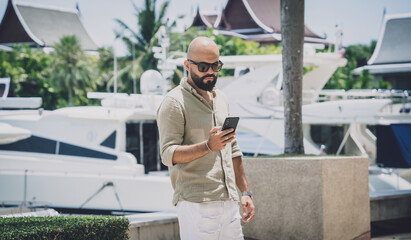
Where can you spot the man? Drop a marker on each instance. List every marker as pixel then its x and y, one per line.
pixel 205 163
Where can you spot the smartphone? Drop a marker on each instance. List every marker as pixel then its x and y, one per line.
pixel 230 122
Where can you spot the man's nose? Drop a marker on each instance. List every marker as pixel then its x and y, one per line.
pixel 210 71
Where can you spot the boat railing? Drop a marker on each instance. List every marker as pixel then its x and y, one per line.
pixel 273 97
pixel 124 100
pixel 332 94
pixel 400 99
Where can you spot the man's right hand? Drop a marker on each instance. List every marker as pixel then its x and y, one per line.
pixel 217 139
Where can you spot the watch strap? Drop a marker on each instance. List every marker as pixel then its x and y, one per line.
pixel 247 193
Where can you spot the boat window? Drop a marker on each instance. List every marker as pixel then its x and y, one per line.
pixel 110 141
pixel 328 135
pixel 37 144
pixel 32 144
pixel 72 150
pixel 2 89
pixel 142 142
pixel 151 148
pixel 133 139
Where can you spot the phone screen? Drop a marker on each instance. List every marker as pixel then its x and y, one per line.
pixel 230 122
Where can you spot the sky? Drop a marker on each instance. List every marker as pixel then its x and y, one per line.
pixel 360 19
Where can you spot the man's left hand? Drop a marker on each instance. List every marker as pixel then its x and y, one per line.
pixel 248 208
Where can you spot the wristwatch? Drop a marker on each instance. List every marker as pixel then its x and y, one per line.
pixel 247 194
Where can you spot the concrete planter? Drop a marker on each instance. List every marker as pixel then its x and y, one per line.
pixel 153 226
pixel 309 198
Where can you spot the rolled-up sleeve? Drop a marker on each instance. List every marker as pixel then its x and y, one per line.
pixel 235 149
pixel 170 121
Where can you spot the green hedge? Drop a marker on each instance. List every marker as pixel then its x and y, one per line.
pixel 64 227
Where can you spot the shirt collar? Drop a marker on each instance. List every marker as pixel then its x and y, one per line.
pixel 187 86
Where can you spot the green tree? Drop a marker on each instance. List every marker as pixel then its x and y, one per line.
pixel 105 64
pixel 70 69
pixel 357 56
pixel 227 45
pixel 141 42
pixel 360 53
pixel 29 72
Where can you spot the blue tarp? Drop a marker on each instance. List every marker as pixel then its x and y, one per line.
pixel 394 145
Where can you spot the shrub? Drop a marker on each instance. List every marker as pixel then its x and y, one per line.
pixel 64 227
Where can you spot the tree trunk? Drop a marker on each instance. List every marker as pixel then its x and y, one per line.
pixel 292 31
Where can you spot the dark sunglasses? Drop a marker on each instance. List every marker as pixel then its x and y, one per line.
pixel 203 66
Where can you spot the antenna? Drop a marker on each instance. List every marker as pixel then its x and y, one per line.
pixel 160 53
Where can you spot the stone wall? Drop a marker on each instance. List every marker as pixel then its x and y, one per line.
pixel 309 198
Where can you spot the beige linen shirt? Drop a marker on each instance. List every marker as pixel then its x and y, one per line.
pixel 184 118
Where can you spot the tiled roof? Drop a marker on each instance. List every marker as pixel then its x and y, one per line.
pixel 255 20
pixel 41 26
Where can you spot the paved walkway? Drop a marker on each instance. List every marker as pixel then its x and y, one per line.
pixel 394 236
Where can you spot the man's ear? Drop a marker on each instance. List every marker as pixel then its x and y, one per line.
pixel 186 65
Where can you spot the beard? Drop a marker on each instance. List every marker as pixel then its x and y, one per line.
pixel 198 81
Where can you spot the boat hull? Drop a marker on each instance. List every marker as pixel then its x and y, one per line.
pixel 81 186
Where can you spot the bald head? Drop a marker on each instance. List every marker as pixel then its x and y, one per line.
pixel 203 49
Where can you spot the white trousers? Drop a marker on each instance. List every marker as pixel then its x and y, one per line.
pixel 210 220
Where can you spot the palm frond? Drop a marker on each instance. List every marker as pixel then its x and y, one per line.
pixel 136 9
pixel 149 23
pixel 124 26
pixel 163 10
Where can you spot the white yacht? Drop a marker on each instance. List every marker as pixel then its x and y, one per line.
pixel 84 158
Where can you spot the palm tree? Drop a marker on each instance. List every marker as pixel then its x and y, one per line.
pixel 105 68
pixel 140 43
pixel 292 31
pixel 69 67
